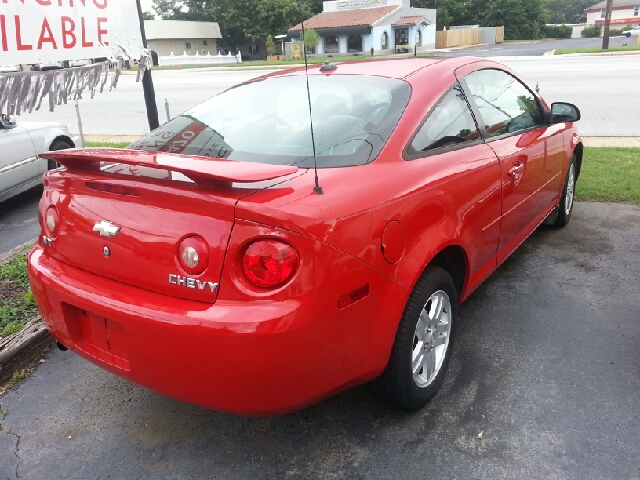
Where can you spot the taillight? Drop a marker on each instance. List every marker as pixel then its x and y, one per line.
pixel 269 263
pixel 193 254
pixel 51 222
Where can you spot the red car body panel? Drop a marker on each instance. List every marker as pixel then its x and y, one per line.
pixel 362 246
pixel 264 356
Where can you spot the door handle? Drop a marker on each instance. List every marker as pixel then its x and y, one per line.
pixel 516 170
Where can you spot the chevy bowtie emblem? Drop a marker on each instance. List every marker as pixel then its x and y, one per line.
pixel 106 228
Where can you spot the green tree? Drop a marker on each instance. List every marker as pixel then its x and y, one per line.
pixel 522 19
pixel 148 16
pixel 311 39
pixel 259 18
pixel 567 11
pixel 274 17
pixel 271 46
pixel 183 10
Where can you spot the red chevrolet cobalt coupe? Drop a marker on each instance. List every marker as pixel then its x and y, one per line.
pixel 279 243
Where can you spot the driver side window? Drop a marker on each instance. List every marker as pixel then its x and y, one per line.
pixel 505 105
pixel 450 123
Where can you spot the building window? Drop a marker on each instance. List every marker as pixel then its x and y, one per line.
pixel 636 10
pixel 354 43
pixel 204 42
pixel 418 38
pixel 385 40
pixel 254 49
pixel 603 13
pixel 331 45
pixel 188 45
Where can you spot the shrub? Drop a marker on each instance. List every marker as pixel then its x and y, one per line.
pixel 592 31
pixel 614 32
pixel 311 39
pixel 271 46
pixel 557 31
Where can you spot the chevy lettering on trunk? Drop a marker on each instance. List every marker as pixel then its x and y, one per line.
pixel 191 282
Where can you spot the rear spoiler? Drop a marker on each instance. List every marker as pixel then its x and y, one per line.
pixel 202 170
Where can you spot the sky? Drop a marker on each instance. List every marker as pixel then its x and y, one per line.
pixel 147 5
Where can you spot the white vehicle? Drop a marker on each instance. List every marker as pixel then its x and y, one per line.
pixel 9 68
pixel 50 66
pixel 20 144
pixel 632 33
pixel 79 63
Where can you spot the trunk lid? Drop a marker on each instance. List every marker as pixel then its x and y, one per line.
pixel 154 201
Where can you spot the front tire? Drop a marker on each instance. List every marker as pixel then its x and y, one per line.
pixel 424 341
pixel 55 146
pixel 565 208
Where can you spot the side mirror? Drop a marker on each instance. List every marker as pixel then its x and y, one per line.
pixel 7 122
pixel 564 112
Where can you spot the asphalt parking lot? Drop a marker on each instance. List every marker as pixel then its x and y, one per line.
pixel 544 383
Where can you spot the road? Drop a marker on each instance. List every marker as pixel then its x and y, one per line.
pixel 536 48
pixel 545 367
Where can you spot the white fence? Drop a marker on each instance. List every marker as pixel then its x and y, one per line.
pixel 198 59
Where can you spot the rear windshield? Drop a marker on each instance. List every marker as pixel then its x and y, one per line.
pixel 268 121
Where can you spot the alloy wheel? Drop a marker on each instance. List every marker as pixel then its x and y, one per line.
pixel 431 339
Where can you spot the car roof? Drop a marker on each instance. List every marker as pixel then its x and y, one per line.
pixel 399 68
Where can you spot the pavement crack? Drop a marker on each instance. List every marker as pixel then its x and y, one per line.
pixel 17 452
pixel 3 415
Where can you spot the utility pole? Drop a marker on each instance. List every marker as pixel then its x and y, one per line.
pixel 607 23
pixel 147 82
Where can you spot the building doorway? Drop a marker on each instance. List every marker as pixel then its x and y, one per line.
pixel 402 40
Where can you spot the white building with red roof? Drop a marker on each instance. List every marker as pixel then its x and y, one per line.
pixel 357 26
pixel 623 13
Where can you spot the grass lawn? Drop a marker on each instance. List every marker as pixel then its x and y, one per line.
pixel 610 175
pixel 107 144
pixel 17 305
pixel 565 51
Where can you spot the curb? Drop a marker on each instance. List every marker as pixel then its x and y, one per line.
pixel 21 348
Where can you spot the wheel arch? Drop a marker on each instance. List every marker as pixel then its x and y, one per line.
pixel 63 138
pixel 453 259
pixel 578 152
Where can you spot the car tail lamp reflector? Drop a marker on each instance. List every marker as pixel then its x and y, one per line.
pixel 51 222
pixel 118 190
pixel 269 263
pixel 193 254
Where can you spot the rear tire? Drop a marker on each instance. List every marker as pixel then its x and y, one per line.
pixel 565 208
pixel 424 341
pixel 55 146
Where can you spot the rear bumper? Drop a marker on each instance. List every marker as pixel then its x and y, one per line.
pixel 253 358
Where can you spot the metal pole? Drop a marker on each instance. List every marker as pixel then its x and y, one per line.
pixel 147 82
pixel 80 124
pixel 607 23
pixel 166 108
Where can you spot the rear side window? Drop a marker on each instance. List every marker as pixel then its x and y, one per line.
pixel 450 123
pixel 505 104
pixel 268 121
